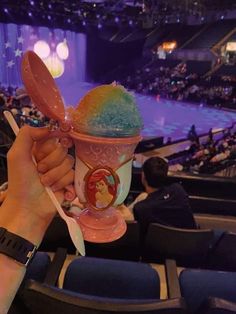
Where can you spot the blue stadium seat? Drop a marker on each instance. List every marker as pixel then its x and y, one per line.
pixel 208 291
pixel 93 285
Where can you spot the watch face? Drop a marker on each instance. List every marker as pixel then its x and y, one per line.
pixel 2 231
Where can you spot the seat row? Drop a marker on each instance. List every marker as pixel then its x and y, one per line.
pixel 100 286
pixel 214 249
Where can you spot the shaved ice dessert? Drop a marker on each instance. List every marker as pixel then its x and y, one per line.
pixel 107 111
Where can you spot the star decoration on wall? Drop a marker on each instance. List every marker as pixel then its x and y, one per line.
pixel 18 53
pixel 20 40
pixel 10 64
pixel 7 45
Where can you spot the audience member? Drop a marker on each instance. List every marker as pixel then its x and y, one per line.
pixel 163 203
pixel 192 134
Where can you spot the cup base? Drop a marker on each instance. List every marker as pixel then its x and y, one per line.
pixel 101 229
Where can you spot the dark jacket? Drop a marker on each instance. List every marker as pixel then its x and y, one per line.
pixel 169 205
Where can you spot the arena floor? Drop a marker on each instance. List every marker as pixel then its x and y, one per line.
pixel 164 117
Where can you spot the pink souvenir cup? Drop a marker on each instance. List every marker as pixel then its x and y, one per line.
pixel 102 181
pixel 103 164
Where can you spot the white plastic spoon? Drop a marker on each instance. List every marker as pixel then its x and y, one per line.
pixel 73 227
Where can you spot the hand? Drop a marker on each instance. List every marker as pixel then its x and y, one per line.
pixel 125 212
pixel 27 209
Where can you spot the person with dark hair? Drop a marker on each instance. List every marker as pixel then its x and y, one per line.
pixel 164 203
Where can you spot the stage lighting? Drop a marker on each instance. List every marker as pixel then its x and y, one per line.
pixel 29 14
pixel 117 19
pixel 84 23
pixel 42 49
pixel 69 20
pixel 5 10
pixel 55 65
pixel 99 25
pixel 130 22
pixel 62 50
pixel 49 17
pixel 31 2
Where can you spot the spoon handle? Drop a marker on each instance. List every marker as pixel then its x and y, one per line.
pixel 77 239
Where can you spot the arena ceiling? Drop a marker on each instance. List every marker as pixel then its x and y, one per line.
pixel 73 14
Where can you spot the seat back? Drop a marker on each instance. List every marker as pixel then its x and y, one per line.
pixel 217 306
pixel 189 247
pixel 197 285
pixel 125 248
pixel 57 235
pixel 112 278
pixel 40 298
pixel 37 270
pixel 223 256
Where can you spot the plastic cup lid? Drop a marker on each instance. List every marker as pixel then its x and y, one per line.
pixel 41 87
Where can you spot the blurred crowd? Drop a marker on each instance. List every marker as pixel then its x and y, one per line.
pixel 176 83
pixel 207 157
pixel 19 103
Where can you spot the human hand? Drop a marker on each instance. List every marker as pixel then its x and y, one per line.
pixel 27 202
pixel 125 212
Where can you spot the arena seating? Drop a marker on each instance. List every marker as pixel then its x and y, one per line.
pixel 223 255
pixel 198 67
pixel 125 248
pixel 94 285
pixel 178 32
pixel 226 70
pixel 211 34
pixel 208 291
pixel 57 235
pixel 37 270
pixel 190 248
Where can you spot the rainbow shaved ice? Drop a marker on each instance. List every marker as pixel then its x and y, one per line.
pixel 107 111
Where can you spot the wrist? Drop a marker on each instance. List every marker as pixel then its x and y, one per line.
pixel 23 222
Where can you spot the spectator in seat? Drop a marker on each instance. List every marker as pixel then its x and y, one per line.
pixel 163 203
pixel 192 134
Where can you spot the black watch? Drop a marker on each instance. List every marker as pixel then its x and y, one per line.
pixel 16 247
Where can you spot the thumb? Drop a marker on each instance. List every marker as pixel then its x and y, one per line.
pixel 25 139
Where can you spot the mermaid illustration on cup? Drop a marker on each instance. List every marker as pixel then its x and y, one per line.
pixel 101 188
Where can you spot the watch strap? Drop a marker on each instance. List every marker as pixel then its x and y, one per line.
pixel 16 247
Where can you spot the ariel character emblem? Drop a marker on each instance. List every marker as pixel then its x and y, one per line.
pixel 101 186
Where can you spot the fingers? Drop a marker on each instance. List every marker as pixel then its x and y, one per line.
pixel 60 176
pixel 21 149
pixel 43 148
pixel 53 159
pixel 68 179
